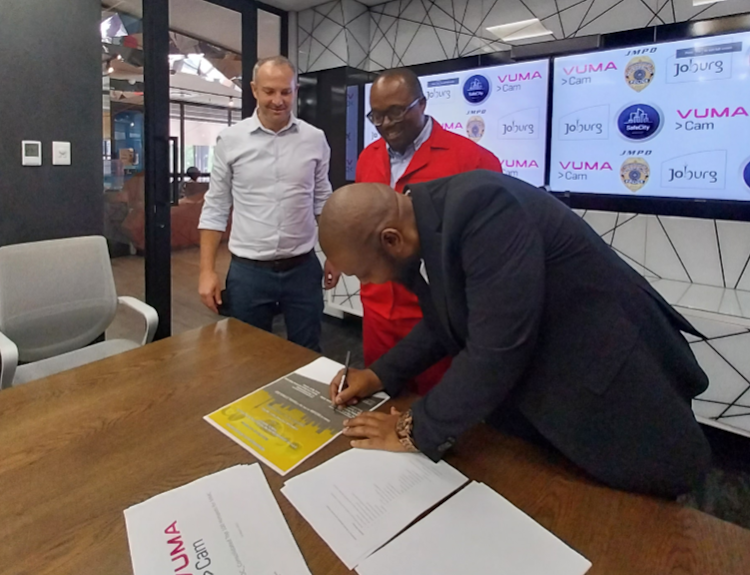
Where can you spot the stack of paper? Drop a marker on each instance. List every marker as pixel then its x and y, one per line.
pixel 479 532
pixel 361 499
pixel 227 523
pixel 290 419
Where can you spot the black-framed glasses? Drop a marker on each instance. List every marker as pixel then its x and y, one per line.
pixel 395 114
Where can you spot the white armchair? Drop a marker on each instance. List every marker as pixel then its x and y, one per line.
pixel 56 298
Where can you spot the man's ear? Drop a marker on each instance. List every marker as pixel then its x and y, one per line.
pixel 392 241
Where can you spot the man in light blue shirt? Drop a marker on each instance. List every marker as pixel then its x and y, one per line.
pixel 270 171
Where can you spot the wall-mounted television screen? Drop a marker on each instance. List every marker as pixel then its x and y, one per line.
pixel 503 108
pixel 668 120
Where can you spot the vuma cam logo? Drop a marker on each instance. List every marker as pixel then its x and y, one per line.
pixel 639 122
pixel 477 89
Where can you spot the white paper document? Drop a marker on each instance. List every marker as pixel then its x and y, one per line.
pixel 227 523
pixel 479 532
pixel 360 499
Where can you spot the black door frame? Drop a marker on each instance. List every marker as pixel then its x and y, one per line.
pixel 158 194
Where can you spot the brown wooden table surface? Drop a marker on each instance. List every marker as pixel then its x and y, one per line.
pixel 78 448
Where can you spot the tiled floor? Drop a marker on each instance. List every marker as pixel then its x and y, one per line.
pixel 725 492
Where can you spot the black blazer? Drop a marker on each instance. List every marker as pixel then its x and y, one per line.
pixel 529 299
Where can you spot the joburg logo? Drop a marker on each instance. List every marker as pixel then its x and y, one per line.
pixel 475 128
pixel 639 72
pixel 697 170
pixel 578 127
pixel 634 173
pixel 477 89
pixel 639 122
pixel 695 67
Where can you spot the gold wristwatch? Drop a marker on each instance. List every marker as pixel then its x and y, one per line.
pixel 403 431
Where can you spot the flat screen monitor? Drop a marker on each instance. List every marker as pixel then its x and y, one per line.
pixel 668 120
pixel 503 108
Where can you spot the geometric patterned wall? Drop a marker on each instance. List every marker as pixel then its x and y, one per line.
pixel 332 35
pixel 407 32
pixel 703 268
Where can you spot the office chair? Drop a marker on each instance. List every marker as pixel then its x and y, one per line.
pixel 56 298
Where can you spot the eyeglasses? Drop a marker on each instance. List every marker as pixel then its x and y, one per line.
pixel 395 114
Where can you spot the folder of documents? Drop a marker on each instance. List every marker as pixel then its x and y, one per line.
pixel 476 531
pixel 227 523
pixel 361 499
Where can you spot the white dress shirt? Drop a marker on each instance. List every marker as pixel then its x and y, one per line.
pixel 277 183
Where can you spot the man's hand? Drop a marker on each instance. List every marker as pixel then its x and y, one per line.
pixel 330 275
pixel 360 383
pixel 374 430
pixel 209 290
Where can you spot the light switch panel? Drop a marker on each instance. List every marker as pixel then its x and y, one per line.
pixel 60 153
pixel 31 153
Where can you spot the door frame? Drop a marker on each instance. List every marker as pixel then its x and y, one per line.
pixel 158 194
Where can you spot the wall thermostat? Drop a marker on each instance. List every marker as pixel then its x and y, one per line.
pixel 31 153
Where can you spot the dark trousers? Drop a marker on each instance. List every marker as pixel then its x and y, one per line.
pixel 256 294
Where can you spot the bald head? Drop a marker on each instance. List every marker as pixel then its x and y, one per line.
pixel 366 230
pixel 400 77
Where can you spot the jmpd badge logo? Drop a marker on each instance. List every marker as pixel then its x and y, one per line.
pixel 746 174
pixel 475 128
pixel 639 122
pixel 634 173
pixel 477 89
pixel 639 72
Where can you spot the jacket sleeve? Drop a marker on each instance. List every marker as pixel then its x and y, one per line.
pixel 504 295
pixel 418 351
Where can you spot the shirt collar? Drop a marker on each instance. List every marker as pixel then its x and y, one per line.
pixel 423 136
pixel 255 124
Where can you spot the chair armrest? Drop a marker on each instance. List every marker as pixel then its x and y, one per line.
pixel 8 361
pixel 149 314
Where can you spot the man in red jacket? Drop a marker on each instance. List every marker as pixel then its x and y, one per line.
pixel 413 148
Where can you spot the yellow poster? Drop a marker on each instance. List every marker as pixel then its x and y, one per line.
pixel 290 419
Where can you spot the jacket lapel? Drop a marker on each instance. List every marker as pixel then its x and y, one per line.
pixel 429 225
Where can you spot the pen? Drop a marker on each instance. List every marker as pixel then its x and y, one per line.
pixel 346 372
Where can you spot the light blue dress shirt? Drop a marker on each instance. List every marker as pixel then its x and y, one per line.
pixel 399 162
pixel 277 183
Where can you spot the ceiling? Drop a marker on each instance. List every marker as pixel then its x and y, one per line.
pixel 210 22
pixel 297 5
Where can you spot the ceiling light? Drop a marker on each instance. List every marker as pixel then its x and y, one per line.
pixel 704 2
pixel 231 102
pixel 110 70
pixel 520 30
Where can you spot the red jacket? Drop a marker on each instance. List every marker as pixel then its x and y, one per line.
pixel 443 154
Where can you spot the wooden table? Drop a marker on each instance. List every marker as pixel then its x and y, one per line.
pixel 78 448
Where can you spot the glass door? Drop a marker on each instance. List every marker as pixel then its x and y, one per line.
pixel 173 75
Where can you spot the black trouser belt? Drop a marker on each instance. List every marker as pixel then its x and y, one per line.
pixel 275 265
